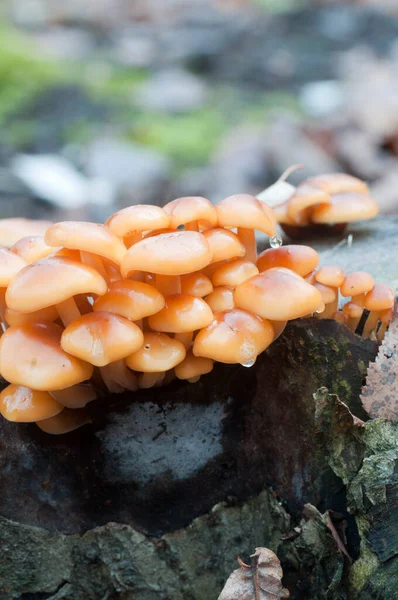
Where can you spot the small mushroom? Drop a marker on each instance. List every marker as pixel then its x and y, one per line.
pixel 168 255
pixel 192 367
pixel 278 294
pixel 196 284
pixel 235 336
pixel 14 317
pixel 221 299
pixel 224 244
pixel 333 277
pixel 345 208
pixel 248 214
pixel 31 248
pixel 301 259
pixel 24 405
pixel 66 421
pixel 31 355
pixel 356 285
pixel 159 354
pixel 194 212
pixel 329 298
pixel 183 314
pixel 385 317
pixel 130 223
pixel 103 339
pixel 94 242
pixel 131 299
pixel 76 396
pixel 53 282
pixel 233 273
pixel 380 298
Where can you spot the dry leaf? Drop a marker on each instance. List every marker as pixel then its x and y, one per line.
pixel 380 394
pixel 262 580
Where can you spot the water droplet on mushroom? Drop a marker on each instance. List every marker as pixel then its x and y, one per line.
pixel 249 363
pixel 319 310
pixel 276 241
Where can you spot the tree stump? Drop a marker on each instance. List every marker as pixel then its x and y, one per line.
pixel 160 494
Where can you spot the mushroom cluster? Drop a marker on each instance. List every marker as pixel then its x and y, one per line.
pixel 326 202
pixel 152 295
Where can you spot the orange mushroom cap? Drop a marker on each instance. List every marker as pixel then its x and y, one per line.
pixel 243 210
pixel 86 237
pixel 306 197
pixel 221 299
pixel 278 294
pixel 330 275
pixel 137 218
pixel 381 297
pixel 176 253
pixel 101 338
pixel 31 355
pixel 193 366
pixel 66 421
pixel 358 282
pixel 301 259
pixel 189 209
pixel 235 336
pixel 328 294
pixel 31 248
pixel 196 284
pixel 182 313
pixel 14 317
pixel 224 244
pixel 23 405
pixel 131 299
pixel 233 273
pixel 159 353
pixel 337 183
pixel 346 207
pixel 50 281
pixel 10 266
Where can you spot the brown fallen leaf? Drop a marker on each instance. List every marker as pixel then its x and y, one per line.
pixel 261 580
pixel 379 396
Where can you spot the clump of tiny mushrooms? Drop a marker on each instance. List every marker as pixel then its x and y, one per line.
pixel 156 294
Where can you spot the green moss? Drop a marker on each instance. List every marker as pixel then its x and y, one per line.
pixel 367 563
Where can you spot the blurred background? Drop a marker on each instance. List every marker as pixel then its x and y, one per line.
pixel 106 103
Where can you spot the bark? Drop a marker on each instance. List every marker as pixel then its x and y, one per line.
pixel 158 497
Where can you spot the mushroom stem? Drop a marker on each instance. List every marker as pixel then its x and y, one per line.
pixel 371 323
pixel 329 311
pixel 76 396
pixel 192 226
pixel 248 239
pixel 148 380
pixel 3 308
pixel 91 260
pixel 168 285
pixel 185 338
pixel 359 300
pixel 118 377
pixel 132 238
pixel 68 311
pixel 340 317
pixel 278 327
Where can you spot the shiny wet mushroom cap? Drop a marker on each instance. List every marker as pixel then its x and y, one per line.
pixel 168 254
pixel 182 313
pixel 235 336
pixel 192 211
pixel 159 353
pixel 50 281
pixel 232 273
pixel 24 405
pixel 346 207
pixel 100 338
pixel 86 237
pixel 134 220
pixel 278 294
pixel 31 248
pixel 196 284
pixel 301 259
pixel 224 244
pixel 192 367
pixel 42 364
pixel 131 299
